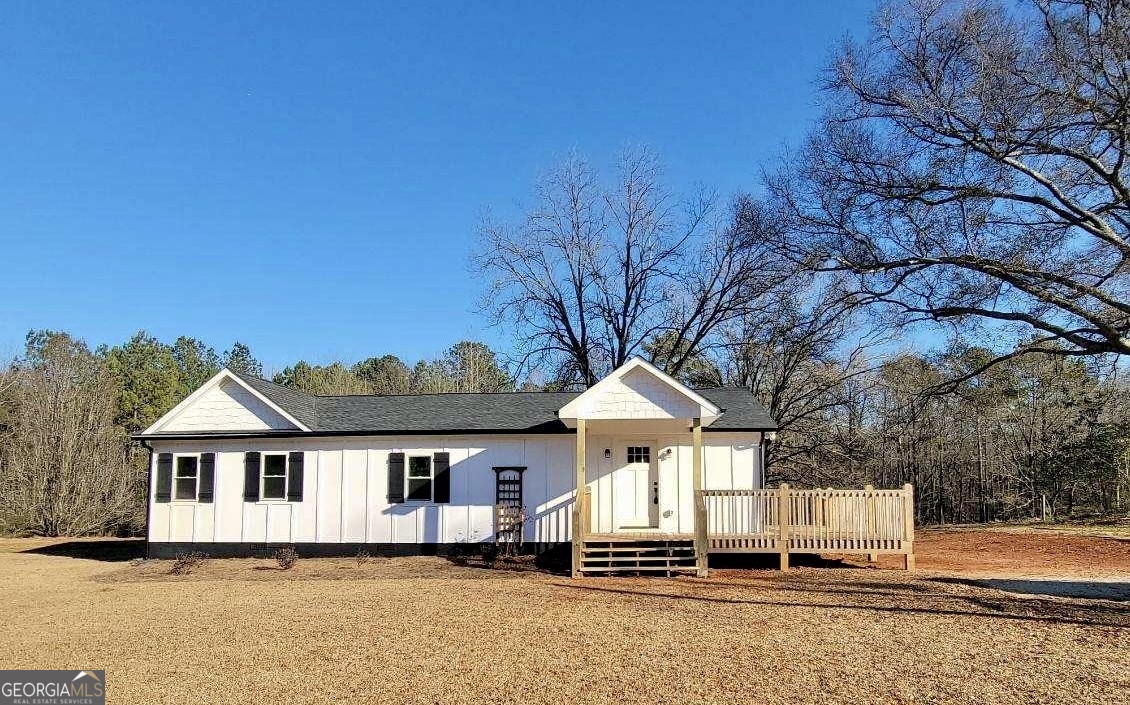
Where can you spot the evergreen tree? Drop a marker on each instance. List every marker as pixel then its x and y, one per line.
pixel 197 362
pixel 240 359
pixel 148 379
pixel 330 380
pixel 385 375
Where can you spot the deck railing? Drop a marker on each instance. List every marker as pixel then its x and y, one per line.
pixel 867 521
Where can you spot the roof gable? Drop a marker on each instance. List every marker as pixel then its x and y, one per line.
pixel 639 390
pixel 226 403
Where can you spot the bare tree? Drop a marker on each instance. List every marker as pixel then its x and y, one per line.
pixel 592 274
pixel 64 464
pixel 971 168
pixel 798 354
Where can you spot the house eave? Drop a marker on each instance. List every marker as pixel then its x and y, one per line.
pixel 218 435
pixel 250 435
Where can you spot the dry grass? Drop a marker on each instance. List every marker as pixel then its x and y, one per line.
pixel 1103 527
pixel 422 630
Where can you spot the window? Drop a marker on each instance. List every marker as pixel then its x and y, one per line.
pixel 186 476
pixel 639 454
pixel 274 476
pixel 419 479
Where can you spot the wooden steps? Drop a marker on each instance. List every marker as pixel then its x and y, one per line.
pixel 640 556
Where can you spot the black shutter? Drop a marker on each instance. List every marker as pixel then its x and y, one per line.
pixel 396 478
pixel 251 477
pixel 164 477
pixel 441 489
pixel 294 476
pixel 207 477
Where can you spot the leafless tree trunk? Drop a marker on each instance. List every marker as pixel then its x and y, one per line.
pixel 592 276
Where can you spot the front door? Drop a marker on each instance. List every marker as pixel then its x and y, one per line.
pixel 638 496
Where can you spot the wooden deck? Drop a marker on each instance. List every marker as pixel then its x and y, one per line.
pixel 781 521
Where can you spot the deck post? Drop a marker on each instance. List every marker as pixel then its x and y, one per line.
pixel 869 503
pixel 701 539
pixel 783 520
pixel 578 502
pixel 908 525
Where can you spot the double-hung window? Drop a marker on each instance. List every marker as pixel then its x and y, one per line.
pixel 187 476
pixel 419 478
pixel 274 476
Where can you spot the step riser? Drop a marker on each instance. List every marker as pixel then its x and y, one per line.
pixel 644 557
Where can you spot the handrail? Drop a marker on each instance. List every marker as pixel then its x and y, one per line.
pixel 813 520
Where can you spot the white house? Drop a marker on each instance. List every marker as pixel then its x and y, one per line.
pixel 244 465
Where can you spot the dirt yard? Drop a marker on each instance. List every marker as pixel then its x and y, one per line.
pixel 423 630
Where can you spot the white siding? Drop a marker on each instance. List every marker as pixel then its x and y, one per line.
pixel 640 395
pixel 227 407
pixel 345 493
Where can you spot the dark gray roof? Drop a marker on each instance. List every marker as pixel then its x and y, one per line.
pixel 530 412
pixel 298 404
pixel 742 410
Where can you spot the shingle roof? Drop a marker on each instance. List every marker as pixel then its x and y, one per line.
pixel 531 412
pixel 298 404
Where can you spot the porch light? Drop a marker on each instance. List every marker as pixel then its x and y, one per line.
pixel 608 454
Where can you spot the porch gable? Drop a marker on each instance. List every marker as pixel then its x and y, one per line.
pixel 636 391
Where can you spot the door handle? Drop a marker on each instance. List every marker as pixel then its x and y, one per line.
pixel 655 492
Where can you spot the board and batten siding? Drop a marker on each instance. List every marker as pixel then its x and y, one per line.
pixel 345 492
pixel 345 488
pixel 731 462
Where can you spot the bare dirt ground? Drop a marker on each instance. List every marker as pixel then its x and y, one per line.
pixel 424 630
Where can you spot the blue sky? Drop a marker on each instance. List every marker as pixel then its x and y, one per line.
pixel 307 177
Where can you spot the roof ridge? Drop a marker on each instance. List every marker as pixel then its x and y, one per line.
pixel 437 394
pixel 257 378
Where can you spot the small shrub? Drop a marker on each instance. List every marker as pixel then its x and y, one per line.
pixel 362 557
pixel 185 563
pixel 489 553
pixel 286 557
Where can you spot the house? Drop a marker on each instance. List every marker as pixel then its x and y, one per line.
pixel 243 465
pixel 637 473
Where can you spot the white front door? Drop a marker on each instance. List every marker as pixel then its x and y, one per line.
pixel 637 496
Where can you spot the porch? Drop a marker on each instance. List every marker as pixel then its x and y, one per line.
pixel 651 496
pixel 866 521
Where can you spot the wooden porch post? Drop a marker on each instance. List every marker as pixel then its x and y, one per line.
pixel 869 505
pixel 908 524
pixel 784 519
pixel 701 540
pixel 578 503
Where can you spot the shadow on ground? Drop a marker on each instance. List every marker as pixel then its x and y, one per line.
pixel 112 550
pixel 1088 589
pixel 1028 610
pixel 772 561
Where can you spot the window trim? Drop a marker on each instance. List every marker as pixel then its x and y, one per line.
pixel 408 477
pixel 263 498
pixel 173 490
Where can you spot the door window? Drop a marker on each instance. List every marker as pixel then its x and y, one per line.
pixel 639 454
